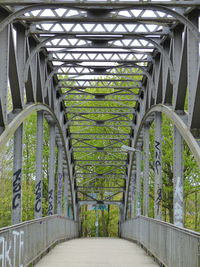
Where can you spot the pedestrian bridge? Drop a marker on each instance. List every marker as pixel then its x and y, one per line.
pixel 154 243
pixel 99 133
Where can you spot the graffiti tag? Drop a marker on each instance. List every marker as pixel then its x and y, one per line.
pixel 16 189
pixel 12 250
pixel 38 193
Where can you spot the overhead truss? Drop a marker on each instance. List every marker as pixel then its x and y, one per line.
pixel 100 66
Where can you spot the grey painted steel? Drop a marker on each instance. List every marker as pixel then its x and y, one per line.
pixel 158 167
pixel 180 121
pixel 86 3
pixel 171 245
pixel 146 171
pixel 151 6
pixel 60 179
pixel 138 182
pixel 178 179
pixel 4 42
pixel 171 65
pixel 20 117
pixel 66 191
pixel 39 152
pixel 51 188
pixel 22 244
pixel 17 176
pixel 133 193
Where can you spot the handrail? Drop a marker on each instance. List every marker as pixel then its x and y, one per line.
pixel 15 226
pixel 170 225
pixel 170 245
pixel 23 244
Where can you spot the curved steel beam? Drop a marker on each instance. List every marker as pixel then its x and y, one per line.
pixel 167 10
pixel 20 118
pixel 181 126
pixel 65 64
pixel 42 44
pixel 179 123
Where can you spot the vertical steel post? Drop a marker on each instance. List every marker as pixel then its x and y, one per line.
pixel 17 175
pixel 4 55
pixel 146 171
pixel 178 178
pixel 138 183
pixel 39 149
pixel 133 182
pixel 60 179
pixel 66 189
pixel 51 204
pixel 158 167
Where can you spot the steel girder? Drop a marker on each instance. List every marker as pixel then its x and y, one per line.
pixel 58 53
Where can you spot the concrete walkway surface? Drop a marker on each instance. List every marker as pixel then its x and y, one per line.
pixel 97 252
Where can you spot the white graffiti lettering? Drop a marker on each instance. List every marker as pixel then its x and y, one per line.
pixel 12 250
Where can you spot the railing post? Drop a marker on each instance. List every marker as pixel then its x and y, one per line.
pixel 39 149
pixel 51 208
pixel 60 179
pixel 146 171
pixel 158 167
pixel 17 175
pixel 178 178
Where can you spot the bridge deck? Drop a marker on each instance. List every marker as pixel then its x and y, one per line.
pixel 97 252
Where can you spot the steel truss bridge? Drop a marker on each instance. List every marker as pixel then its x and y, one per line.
pixel 100 72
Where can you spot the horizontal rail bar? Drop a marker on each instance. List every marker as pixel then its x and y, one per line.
pixel 171 245
pixel 22 244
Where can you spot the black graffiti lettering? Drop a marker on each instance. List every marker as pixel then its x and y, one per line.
pixel 50 209
pixel 38 193
pixel 16 189
pixel 51 194
pixel 157 145
pixel 15 204
pixel 159 195
pixel 157 156
pixel 38 205
pixel 157 165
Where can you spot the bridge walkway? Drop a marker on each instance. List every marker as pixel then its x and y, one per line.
pixel 97 252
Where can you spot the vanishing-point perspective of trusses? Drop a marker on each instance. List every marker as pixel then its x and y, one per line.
pixel 100 73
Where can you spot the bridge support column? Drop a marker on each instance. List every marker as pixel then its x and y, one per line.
pixel 138 183
pixel 146 171
pixel 66 190
pixel 51 207
pixel 17 175
pixel 158 167
pixel 38 182
pixel 60 179
pixel 133 182
pixel 178 178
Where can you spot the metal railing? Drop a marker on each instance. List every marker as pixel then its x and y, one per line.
pixel 24 243
pixel 170 245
